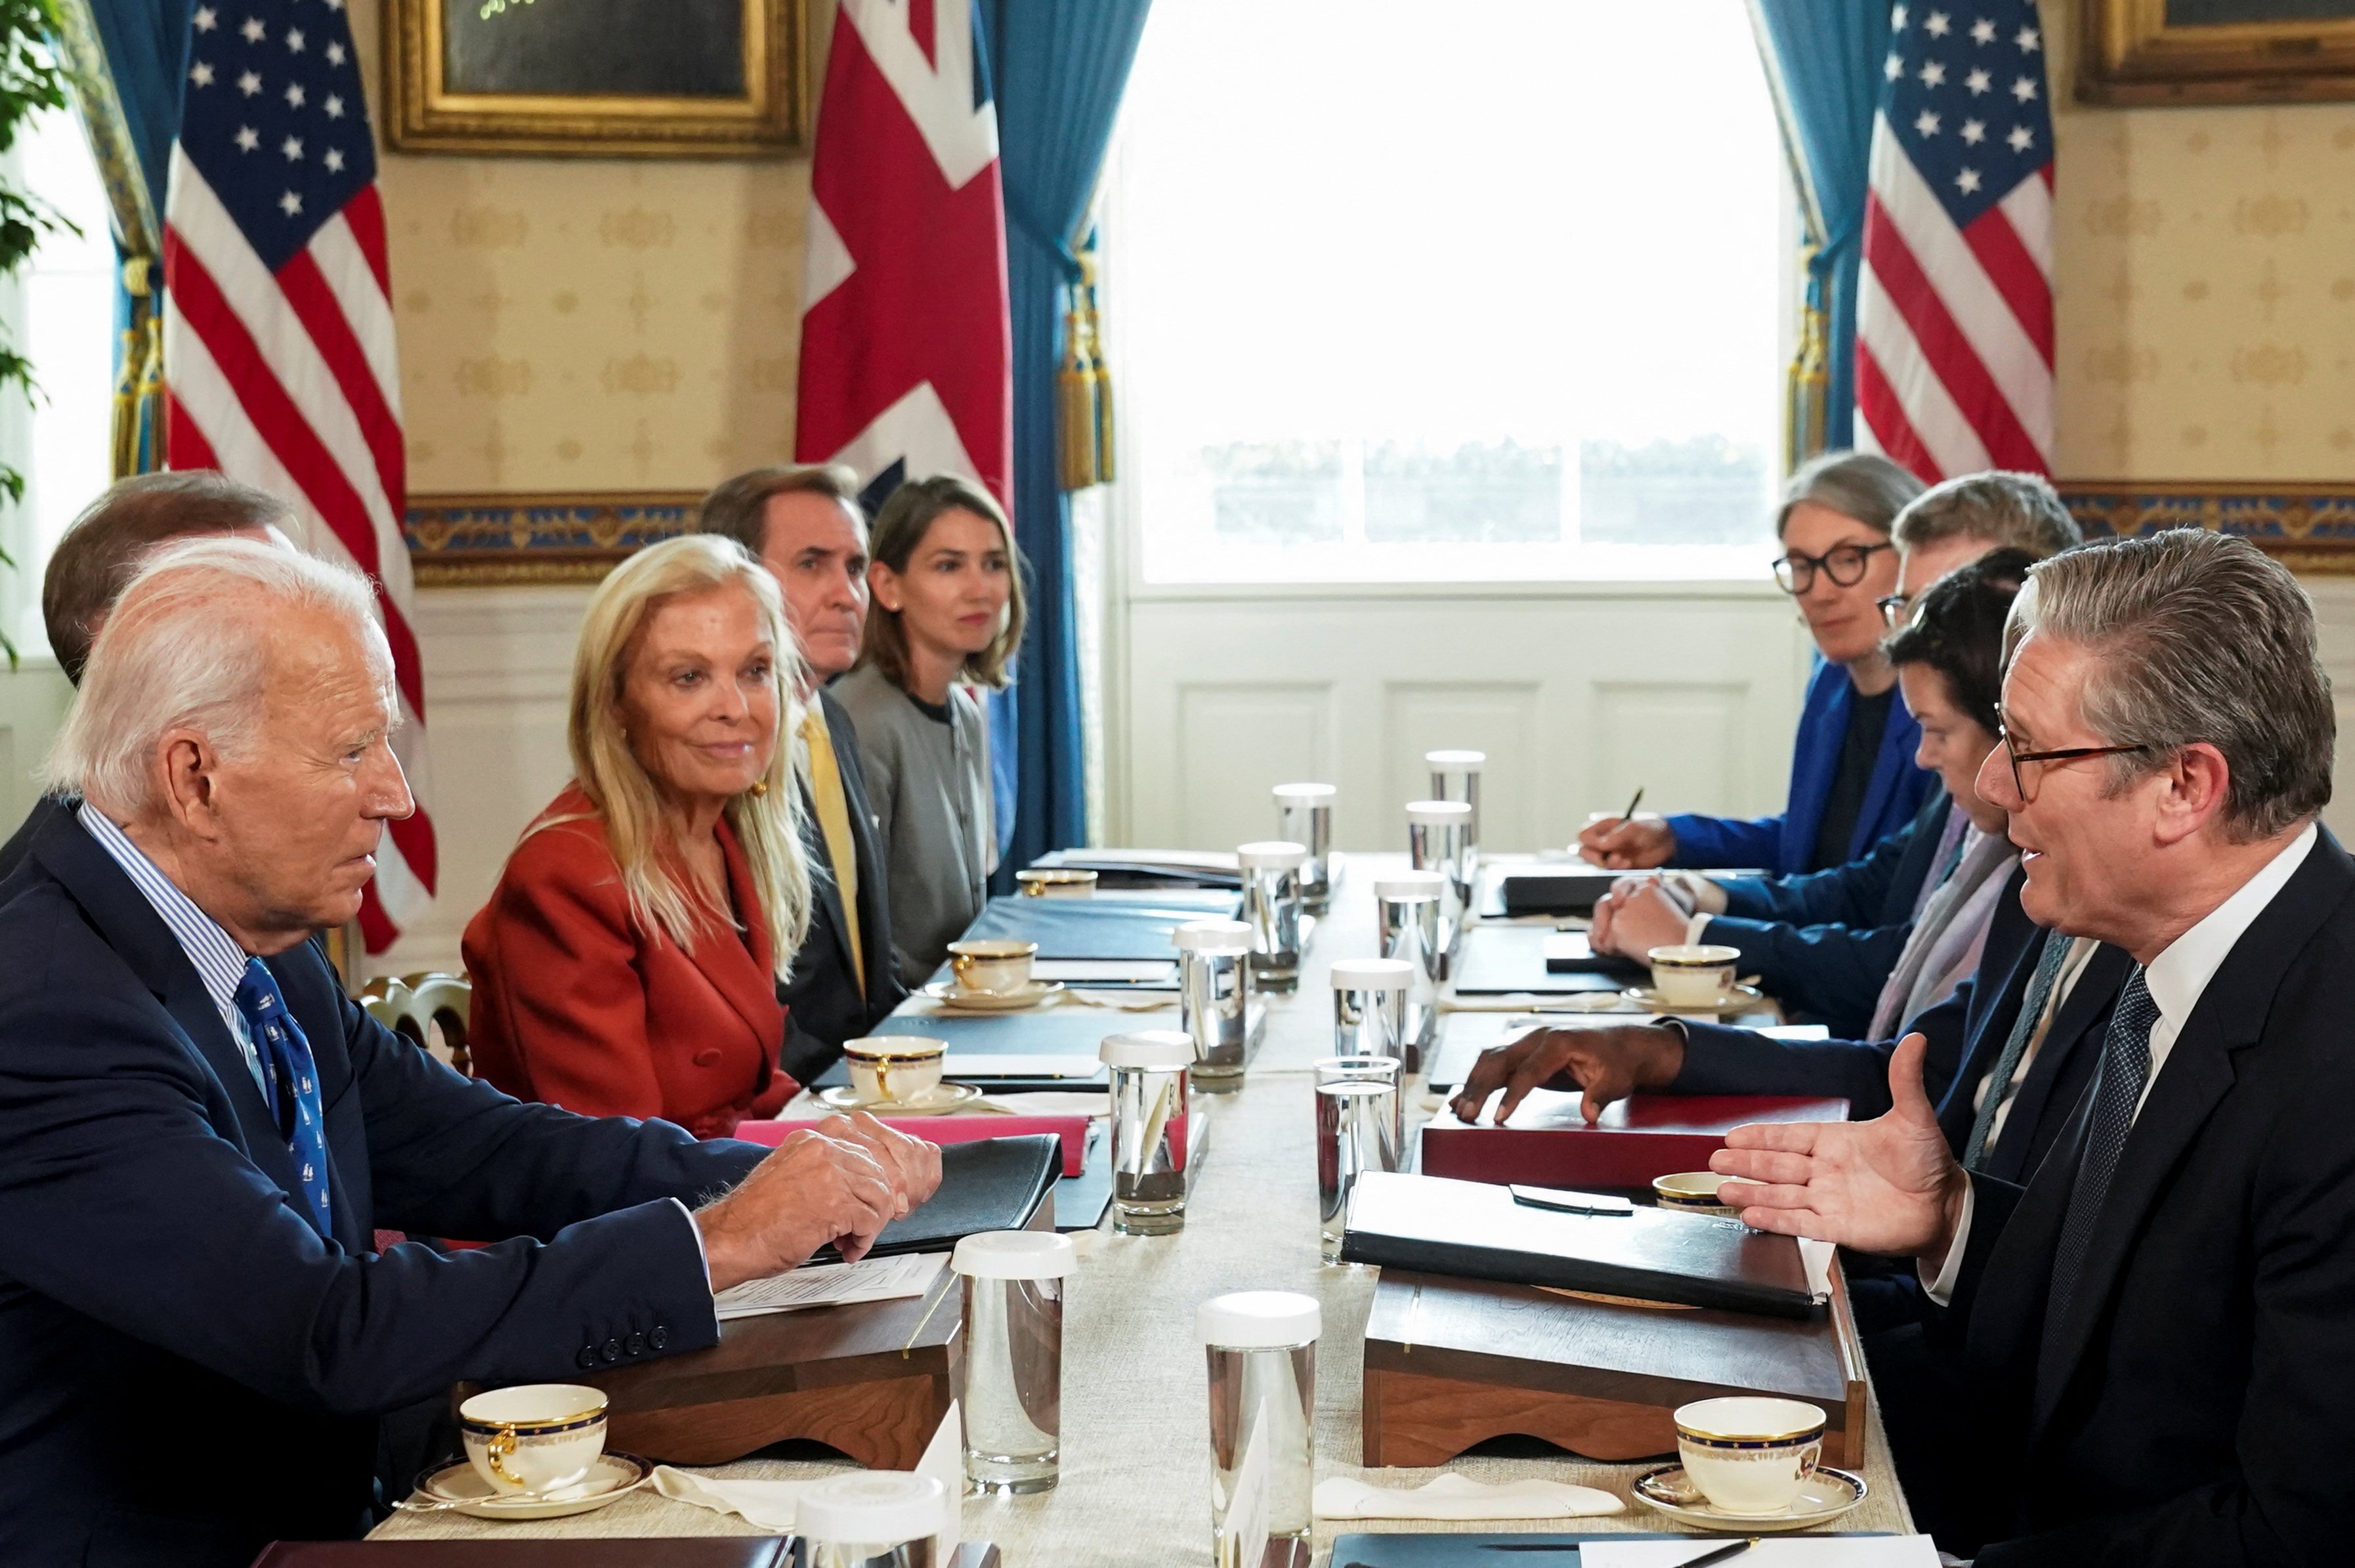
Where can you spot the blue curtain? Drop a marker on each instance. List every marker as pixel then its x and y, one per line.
pixel 1824 59
pixel 1058 68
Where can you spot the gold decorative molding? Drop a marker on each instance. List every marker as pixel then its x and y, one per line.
pixel 2133 54
pixel 2309 526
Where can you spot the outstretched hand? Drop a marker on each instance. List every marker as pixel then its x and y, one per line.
pixel 1887 1186
pixel 1603 1065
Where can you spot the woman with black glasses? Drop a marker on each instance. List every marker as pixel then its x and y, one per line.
pixel 1853 781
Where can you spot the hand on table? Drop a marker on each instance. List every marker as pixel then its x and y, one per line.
pixel 912 1165
pixel 1887 1186
pixel 813 1190
pixel 1639 914
pixel 1627 844
pixel 1604 1065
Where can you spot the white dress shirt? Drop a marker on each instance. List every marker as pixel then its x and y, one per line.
pixel 2177 978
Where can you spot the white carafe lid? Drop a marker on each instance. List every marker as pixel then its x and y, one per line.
pixel 1259 1320
pixel 872 1507
pixel 1455 761
pixel 1015 1254
pixel 1439 813
pixel 1156 1048
pixel 1303 794
pixel 1218 936
pixel 1410 885
pixel 1272 854
pixel 1372 974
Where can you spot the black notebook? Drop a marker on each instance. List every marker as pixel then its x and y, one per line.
pixel 992 1184
pixel 1499 959
pixel 1476 1230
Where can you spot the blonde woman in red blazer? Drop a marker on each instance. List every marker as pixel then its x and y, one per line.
pixel 627 963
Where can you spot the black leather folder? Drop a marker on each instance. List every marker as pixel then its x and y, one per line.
pixel 992 1184
pixel 1476 1230
pixel 1570 952
pixel 1495 960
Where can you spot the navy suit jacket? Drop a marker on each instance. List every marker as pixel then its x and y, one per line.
pixel 2203 1377
pixel 1786 844
pixel 1825 943
pixel 187 1370
pixel 1967 1033
pixel 20 843
pixel 824 1002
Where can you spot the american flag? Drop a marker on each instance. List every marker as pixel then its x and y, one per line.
pixel 905 361
pixel 1953 355
pixel 278 338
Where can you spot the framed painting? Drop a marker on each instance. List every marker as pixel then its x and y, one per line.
pixel 2217 51
pixel 644 78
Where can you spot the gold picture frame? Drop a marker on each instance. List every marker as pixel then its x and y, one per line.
pixel 2132 52
pixel 761 115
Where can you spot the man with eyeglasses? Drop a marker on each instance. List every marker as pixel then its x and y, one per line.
pixel 2159 1321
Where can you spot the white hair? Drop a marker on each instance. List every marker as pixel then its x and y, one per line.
pixel 186 647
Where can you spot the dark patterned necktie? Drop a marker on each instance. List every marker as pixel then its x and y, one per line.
pixel 2054 958
pixel 2117 1091
pixel 290 1082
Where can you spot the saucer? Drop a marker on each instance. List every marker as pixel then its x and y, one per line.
pixel 612 1475
pixel 1824 1496
pixel 939 1100
pixel 1739 999
pixel 949 994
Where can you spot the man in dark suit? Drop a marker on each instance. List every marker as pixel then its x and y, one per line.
pixel 803 524
pixel 2160 1321
pixel 98 551
pixel 200 1133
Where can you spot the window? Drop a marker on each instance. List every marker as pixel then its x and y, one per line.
pixel 59 313
pixel 1495 292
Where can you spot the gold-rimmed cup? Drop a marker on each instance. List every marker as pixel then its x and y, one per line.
pixel 1056 882
pixel 893 1069
pixel 998 966
pixel 534 1438
pixel 1693 974
pixel 1692 1192
pixel 1749 1455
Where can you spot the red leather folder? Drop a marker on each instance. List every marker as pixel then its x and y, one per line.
pixel 1547 1143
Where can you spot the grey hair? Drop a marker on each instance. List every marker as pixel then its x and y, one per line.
pixel 2001 507
pixel 1864 485
pixel 187 646
pixel 2197 636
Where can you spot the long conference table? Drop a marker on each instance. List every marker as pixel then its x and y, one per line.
pixel 1135 1484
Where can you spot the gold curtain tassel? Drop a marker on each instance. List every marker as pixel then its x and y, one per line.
pixel 1075 396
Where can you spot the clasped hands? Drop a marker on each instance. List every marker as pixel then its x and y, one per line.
pixel 1640 913
pixel 1888 1186
pixel 841 1182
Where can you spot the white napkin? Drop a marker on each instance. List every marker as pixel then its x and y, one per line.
pixel 768 1504
pixel 1452 1496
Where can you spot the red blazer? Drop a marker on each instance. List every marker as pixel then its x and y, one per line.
pixel 575 1005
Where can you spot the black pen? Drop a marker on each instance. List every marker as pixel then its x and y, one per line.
pixel 1629 814
pixel 1732 1549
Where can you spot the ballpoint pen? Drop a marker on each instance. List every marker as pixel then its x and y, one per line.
pixel 1629 814
pixel 1731 1549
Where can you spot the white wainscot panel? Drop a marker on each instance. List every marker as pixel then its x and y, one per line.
pixel 1685 744
pixel 33 702
pixel 1499 717
pixel 1234 742
pixel 498 668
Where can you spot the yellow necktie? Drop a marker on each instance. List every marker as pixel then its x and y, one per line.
pixel 834 821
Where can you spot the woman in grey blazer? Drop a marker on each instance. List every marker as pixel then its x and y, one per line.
pixel 947 617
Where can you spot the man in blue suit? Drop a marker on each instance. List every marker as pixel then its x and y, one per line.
pixel 199 1133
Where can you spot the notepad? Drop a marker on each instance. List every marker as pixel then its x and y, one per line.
pixel 832 1285
pixel 1795 1551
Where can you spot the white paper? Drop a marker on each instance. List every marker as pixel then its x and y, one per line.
pixel 944 1460
pixel 1772 1552
pixel 1107 971
pixel 962 1066
pixel 1817 1257
pixel 1249 1503
pixel 1052 1103
pixel 832 1285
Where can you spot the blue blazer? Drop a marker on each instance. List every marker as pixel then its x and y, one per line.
pixel 1825 942
pixel 1785 845
pixel 162 1294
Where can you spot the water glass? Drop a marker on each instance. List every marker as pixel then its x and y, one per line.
pixel 1304 816
pixel 1370 1008
pixel 1406 913
pixel 1385 1070
pixel 1456 775
pixel 1148 1129
pixel 1214 998
pixel 1010 1383
pixel 1260 1346
pixel 1437 834
pixel 870 1518
pixel 1271 876
pixel 1357 1131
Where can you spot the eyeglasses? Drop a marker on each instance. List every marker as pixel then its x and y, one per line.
pixel 1894 609
pixel 2066 754
pixel 1844 564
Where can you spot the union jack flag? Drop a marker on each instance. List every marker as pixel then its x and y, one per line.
pixel 906 362
pixel 278 330
pixel 1954 354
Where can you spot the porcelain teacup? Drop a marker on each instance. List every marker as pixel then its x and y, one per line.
pixel 1056 882
pixel 895 1068
pixel 1693 1191
pixel 1747 1455
pixel 998 966
pixel 535 1437
pixel 1693 975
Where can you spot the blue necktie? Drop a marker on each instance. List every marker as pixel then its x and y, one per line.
pixel 290 1082
pixel 2125 1068
pixel 2015 1046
